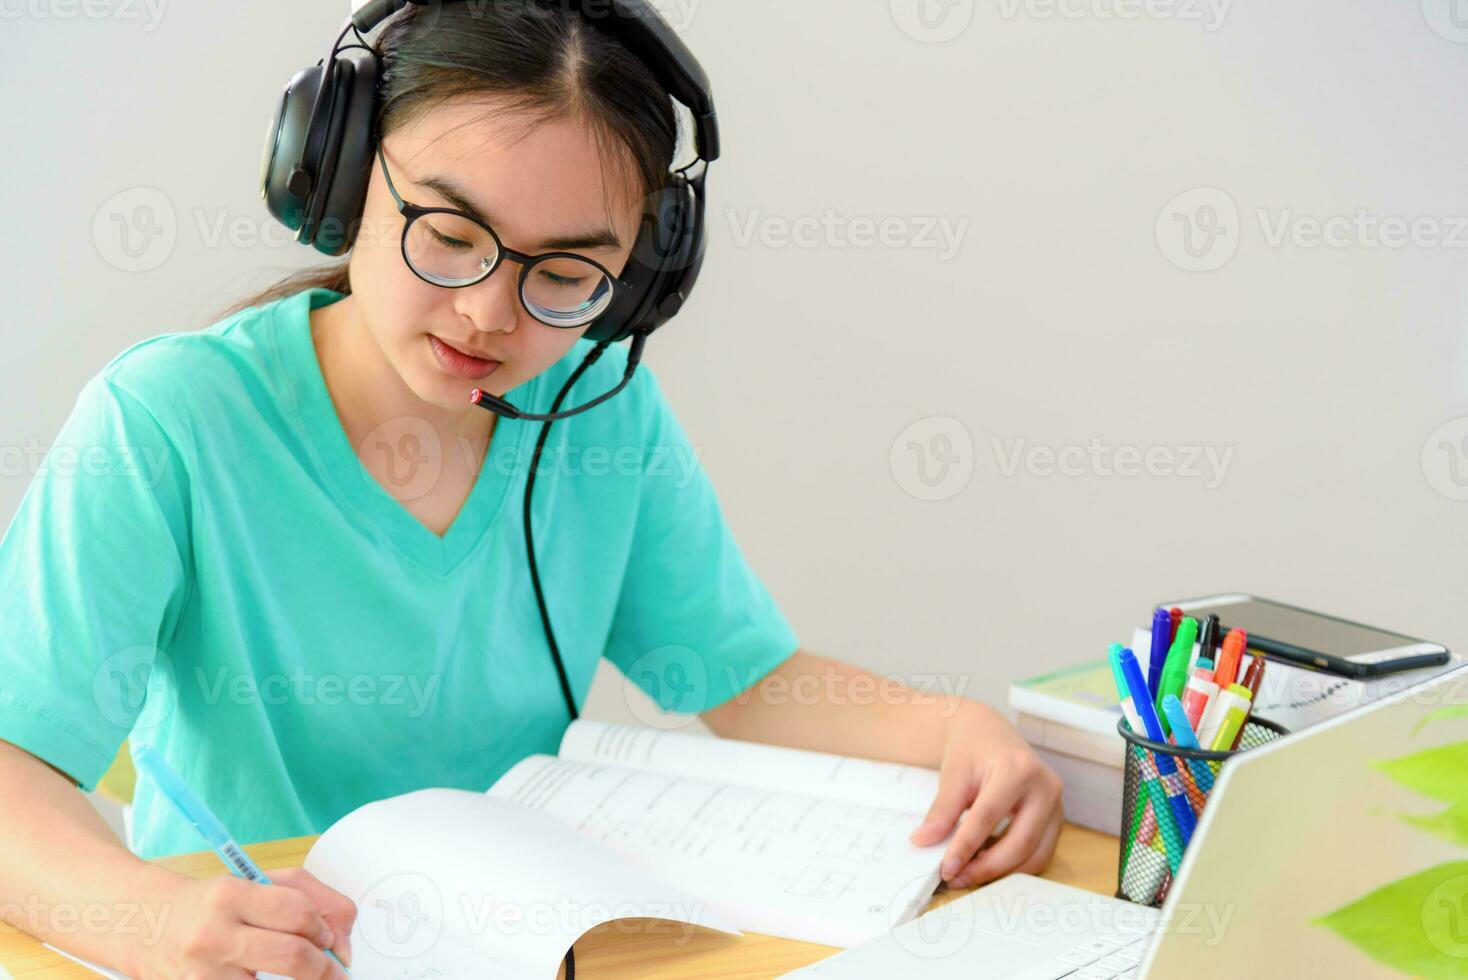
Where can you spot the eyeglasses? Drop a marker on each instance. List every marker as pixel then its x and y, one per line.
pixel 452 249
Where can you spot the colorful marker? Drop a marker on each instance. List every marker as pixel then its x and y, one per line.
pixel 1254 677
pixel 1229 732
pixel 1128 707
pixel 1236 696
pixel 1166 768
pixel 1175 671
pixel 1182 731
pixel 1227 671
pixel 1161 642
pixel 1200 691
pixel 1208 639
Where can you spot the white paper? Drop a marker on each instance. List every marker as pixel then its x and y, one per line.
pixel 780 863
pixel 450 883
pixel 909 788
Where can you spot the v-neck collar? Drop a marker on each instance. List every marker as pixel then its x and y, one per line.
pixel 356 485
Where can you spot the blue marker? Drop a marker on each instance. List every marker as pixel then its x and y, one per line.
pixel 192 809
pixel 1182 733
pixel 1161 643
pixel 1172 783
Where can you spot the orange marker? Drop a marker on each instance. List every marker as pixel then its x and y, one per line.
pixel 1228 661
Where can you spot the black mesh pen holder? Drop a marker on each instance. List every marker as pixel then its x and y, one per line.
pixel 1151 844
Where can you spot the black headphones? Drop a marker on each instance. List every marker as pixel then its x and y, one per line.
pixel 320 145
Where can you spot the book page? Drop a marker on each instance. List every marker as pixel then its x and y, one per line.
pixel 454 884
pixel 907 788
pixel 785 864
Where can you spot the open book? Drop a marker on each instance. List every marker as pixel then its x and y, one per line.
pixel 630 822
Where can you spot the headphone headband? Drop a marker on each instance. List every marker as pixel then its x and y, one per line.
pixel 639 26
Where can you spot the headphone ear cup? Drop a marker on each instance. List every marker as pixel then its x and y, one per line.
pixel 284 140
pixel 664 261
pixel 347 165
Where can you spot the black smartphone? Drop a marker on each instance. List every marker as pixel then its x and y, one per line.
pixel 1314 639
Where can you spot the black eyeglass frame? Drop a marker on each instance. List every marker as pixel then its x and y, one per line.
pixel 412 212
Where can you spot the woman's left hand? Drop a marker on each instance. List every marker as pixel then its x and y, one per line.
pixel 989 773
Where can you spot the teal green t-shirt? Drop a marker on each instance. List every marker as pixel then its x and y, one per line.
pixel 203 564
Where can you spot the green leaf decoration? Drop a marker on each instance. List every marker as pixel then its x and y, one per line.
pixel 1451 824
pixel 1418 925
pixel 1441 773
pixel 1441 714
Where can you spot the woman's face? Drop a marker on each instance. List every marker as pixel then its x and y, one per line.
pixel 534 185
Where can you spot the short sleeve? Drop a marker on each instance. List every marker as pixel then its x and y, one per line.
pixel 95 569
pixel 694 625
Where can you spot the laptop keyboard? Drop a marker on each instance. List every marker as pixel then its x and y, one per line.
pixel 1104 959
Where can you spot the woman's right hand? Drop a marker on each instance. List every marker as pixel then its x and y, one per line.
pixel 230 928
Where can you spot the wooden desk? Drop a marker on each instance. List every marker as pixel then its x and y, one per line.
pixel 611 952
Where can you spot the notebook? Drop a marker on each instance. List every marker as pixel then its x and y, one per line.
pixel 630 822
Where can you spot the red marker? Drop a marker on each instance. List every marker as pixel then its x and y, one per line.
pixel 1199 692
pixel 1176 616
pixel 1254 677
pixel 1228 661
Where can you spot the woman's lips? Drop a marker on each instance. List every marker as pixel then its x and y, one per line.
pixel 458 363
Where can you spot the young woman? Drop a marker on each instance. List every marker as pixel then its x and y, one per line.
pixel 282 550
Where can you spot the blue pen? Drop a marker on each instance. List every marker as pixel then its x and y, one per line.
pixel 1172 783
pixel 1182 733
pixel 1161 642
pixel 192 809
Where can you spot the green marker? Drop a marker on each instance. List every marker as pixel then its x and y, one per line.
pixel 1175 669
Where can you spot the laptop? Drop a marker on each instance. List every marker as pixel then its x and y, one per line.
pixel 1305 863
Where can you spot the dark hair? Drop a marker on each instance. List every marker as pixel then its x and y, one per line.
pixel 532 57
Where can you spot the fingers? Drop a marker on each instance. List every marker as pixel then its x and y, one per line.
pixel 955 789
pixel 998 795
pixel 286 954
pixel 1040 860
pixel 339 911
pixel 1038 817
pixel 284 909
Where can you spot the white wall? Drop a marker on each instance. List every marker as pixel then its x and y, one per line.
pixel 1055 136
